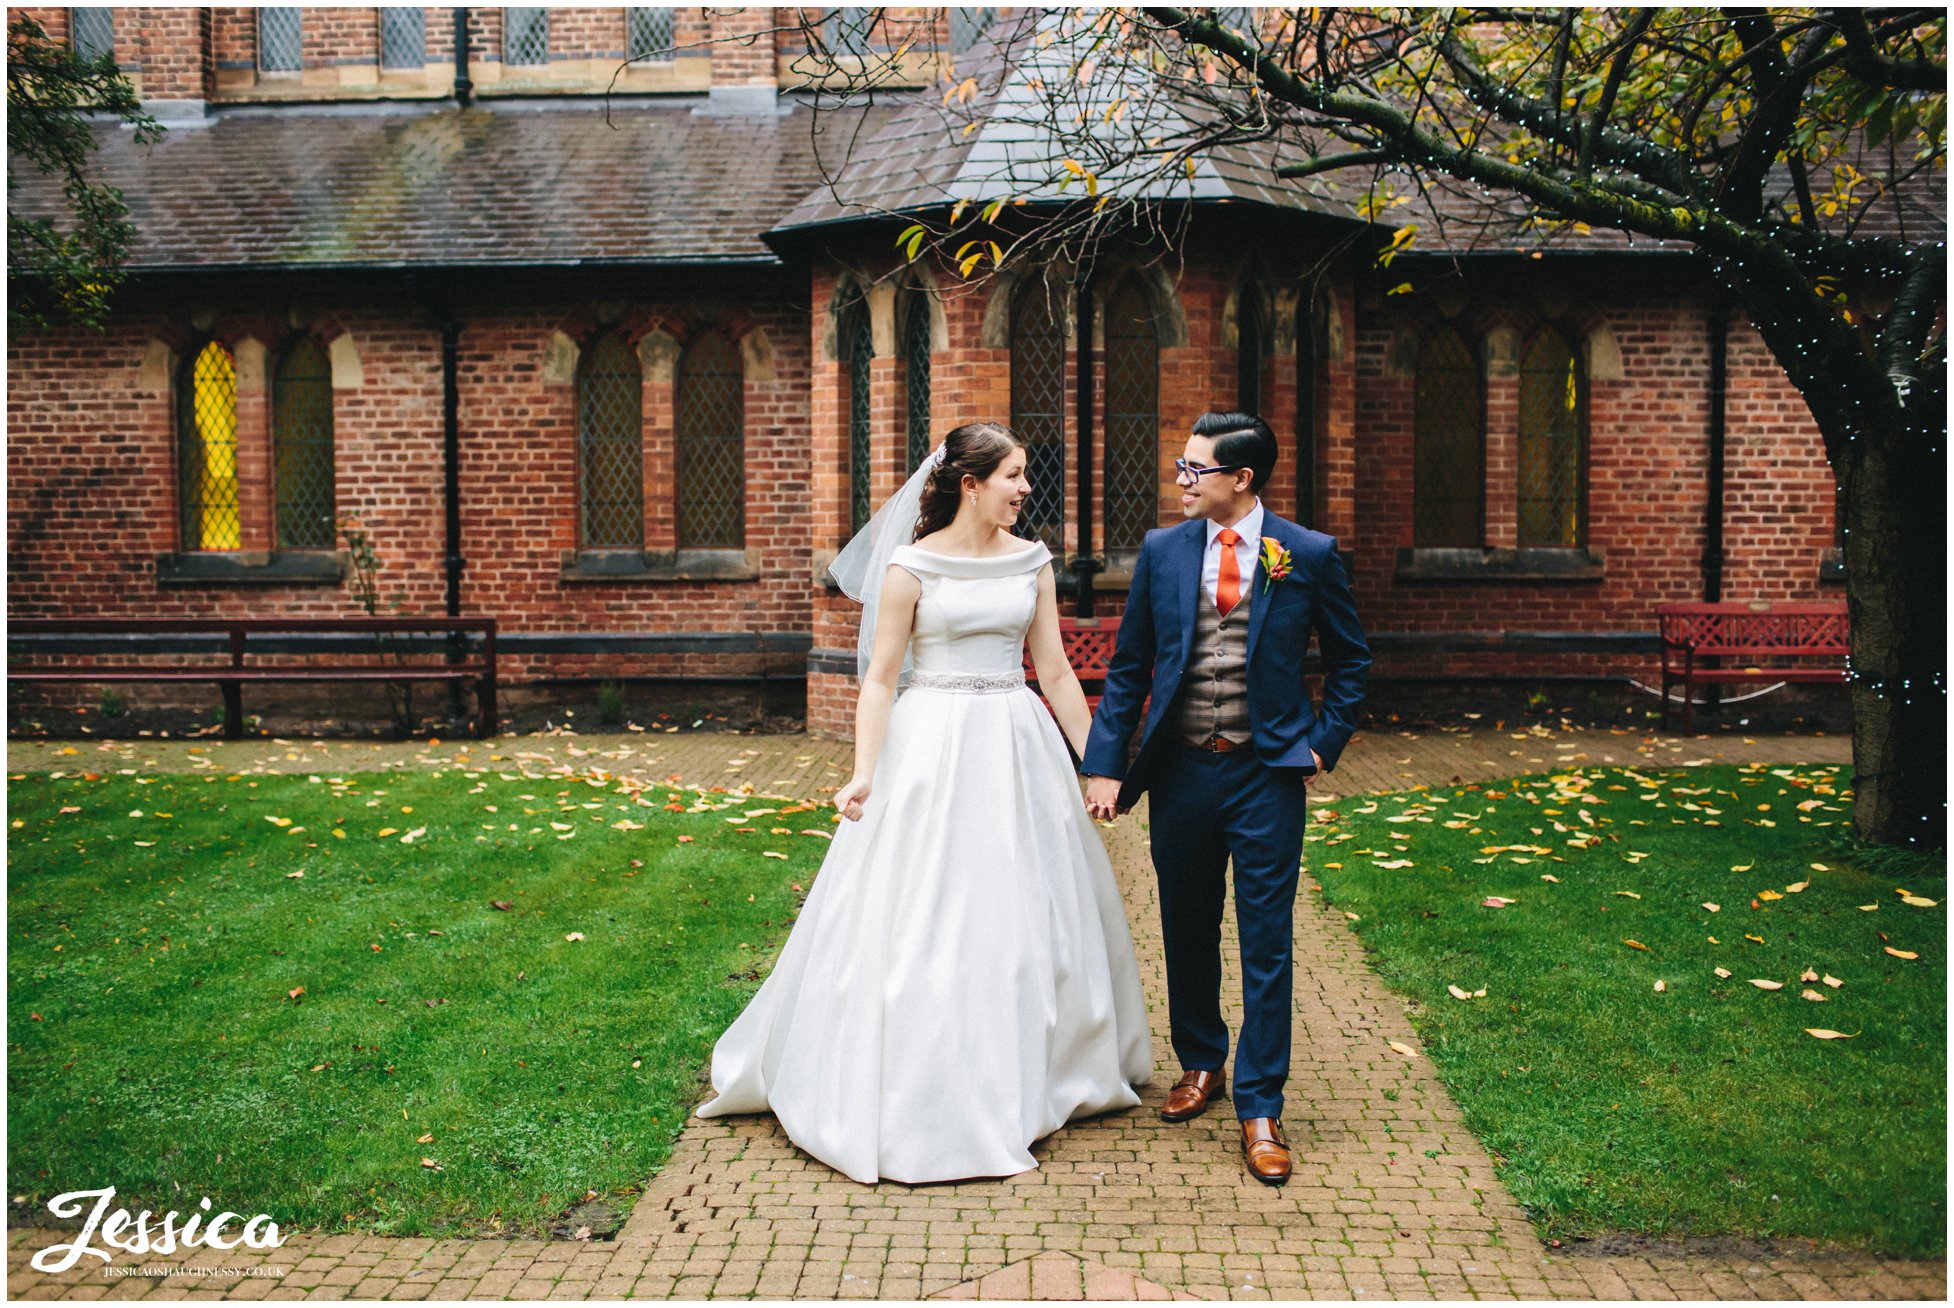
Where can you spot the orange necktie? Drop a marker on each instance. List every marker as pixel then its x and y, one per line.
pixel 1228 587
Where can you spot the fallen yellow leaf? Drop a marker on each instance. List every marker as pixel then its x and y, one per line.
pixel 1762 984
pixel 1406 1050
pixel 574 935
pixel 388 831
pixel 1749 936
pixel 1917 901
pixel 1832 981
pixel 1820 867
pixel 1809 993
pixel 1822 1034
pixel 1769 894
pixel 1901 953
pixel 1548 876
pixel 1714 908
pixel 1724 972
pixel 1661 986
pixel 1869 908
pixel 1743 867
pixel 1636 944
pixel 1457 993
pixel 1628 894
pixel 1795 887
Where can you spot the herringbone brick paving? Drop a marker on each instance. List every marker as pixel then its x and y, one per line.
pixel 1121 1207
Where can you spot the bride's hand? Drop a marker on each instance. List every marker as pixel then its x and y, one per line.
pixel 849 798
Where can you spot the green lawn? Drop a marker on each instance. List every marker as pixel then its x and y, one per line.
pixel 1704 1108
pixel 373 1045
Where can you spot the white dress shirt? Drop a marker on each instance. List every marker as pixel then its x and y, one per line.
pixel 1246 549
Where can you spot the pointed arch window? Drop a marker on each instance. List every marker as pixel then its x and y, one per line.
pixel 916 367
pixel 1251 351
pixel 1553 445
pixel 302 447
pixel 611 445
pixel 206 427
pixel 1038 409
pixel 711 428
pixel 1132 417
pixel 1449 445
pixel 860 331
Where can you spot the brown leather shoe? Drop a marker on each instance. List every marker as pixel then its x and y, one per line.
pixel 1191 1095
pixel 1265 1149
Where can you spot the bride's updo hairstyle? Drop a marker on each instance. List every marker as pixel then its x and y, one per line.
pixel 976 448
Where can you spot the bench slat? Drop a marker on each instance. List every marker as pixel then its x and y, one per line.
pixel 225 672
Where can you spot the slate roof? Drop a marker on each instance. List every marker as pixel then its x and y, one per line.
pixel 924 158
pixel 499 183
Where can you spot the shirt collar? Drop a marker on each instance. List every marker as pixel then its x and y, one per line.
pixel 1249 528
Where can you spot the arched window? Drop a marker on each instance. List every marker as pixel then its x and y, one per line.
pixel 1310 354
pixel 1553 454
pixel 916 363
pixel 1132 417
pixel 1038 409
pixel 1251 347
pixel 610 445
pixel 860 334
pixel 206 466
pixel 711 425
pixel 301 447
pixel 1449 450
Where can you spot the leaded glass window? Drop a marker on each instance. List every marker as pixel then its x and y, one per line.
pixel 1250 349
pixel 711 414
pixel 1038 411
pixel 861 353
pixel 525 36
pixel 403 37
pixel 652 32
pixel 967 24
pixel 279 40
pixel 847 30
pixel 301 447
pixel 1553 442
pixel 206 465
pixel 916 359
pixel 92 32
pixel 1449 445
pixel 610 445
pixel 1309 356
pixel 1132 418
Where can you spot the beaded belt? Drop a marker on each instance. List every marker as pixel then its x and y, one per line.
pixel 973 683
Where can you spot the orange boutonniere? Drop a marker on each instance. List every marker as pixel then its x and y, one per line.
pixel 1276 563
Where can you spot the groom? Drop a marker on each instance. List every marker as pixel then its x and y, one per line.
pixel 1216 625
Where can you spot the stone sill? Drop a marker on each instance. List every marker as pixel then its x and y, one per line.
pixel 251 568
pixel 1530 564
pixel 612 566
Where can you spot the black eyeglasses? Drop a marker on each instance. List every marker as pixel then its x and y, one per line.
pixel 1183 469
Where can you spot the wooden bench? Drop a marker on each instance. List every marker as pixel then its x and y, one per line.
pixel 232 675
pixel 1761 634
pixel 1089 649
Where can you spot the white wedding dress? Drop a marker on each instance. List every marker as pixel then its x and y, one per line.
pixel 960 982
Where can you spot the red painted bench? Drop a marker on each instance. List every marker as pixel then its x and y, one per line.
pixel 1089 649
pixel 231 675
pixel 1760 636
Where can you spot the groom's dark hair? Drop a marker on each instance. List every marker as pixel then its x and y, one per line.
pixel 1241 440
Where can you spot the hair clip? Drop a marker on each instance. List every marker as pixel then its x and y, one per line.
pixel 941 450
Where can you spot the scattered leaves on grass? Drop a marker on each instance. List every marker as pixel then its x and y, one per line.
pixel 1823 1034
pixel 574 935
pixel 1724 972
pixel 1762 984
pixel 1495 901
pixel 1457 993
pixel 1832 981
pixel 1809 993
pixel 1661 986
pixel 1917 901
pixel 1714 908
pixel 1636 944
pixel 1549 876
pixel 1628 894
pixel 1901 953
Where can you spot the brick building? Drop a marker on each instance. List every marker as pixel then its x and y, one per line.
pixel 657 317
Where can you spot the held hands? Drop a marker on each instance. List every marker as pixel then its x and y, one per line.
pixel 849 798
pixel 1102 798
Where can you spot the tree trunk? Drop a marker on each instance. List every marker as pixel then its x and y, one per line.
pixel 1896 575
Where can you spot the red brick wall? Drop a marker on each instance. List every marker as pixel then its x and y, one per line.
pixel 92 492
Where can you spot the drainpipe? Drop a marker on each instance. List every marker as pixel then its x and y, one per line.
pixel 1084 564
pixel 464 89
pixel 1719 324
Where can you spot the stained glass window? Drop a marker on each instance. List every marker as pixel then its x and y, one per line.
pixel 1449 451
pixel 1132 418
pixel 1038 410
pixel 610 445
pixel 916 360
pixel 301 447
pixel 1553 442
pixel 861 353
pixel 206 426
pixel 711 424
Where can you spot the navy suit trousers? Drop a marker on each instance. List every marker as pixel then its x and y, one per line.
pixel 1207 809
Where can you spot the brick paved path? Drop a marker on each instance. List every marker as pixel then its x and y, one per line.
pixel 1125 1206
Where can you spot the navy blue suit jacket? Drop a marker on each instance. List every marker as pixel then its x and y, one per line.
pixel 1157 631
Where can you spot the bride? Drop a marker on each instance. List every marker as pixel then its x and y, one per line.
pixel 960 982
